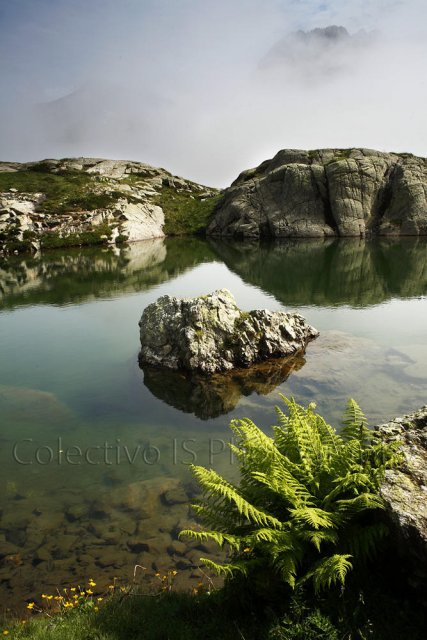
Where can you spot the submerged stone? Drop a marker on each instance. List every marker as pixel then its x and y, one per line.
pixel 210 333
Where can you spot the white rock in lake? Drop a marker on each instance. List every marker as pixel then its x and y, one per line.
pixel 210 333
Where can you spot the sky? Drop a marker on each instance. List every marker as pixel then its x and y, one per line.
pixel 209 88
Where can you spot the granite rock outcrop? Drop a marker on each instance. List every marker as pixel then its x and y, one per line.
pixel 404 491
pixel 78 201
pixel 328 192
pixel 210 334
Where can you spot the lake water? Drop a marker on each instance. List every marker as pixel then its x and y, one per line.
pixel 94 451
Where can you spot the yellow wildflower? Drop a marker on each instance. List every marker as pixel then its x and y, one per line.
pixel 99 599
pixel 174 573
pixel 96 608
pixel 72 589
pixel 5 632
pixel 31 605
pixel 89 592
pixel 92 583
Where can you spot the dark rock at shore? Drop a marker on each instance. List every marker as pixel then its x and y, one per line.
pixel 210 333
pixel 328 192
pixel 405 493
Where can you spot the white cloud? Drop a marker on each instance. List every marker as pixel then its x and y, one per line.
pixel 178 83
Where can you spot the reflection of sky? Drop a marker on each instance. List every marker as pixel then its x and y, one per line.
pixel 396 322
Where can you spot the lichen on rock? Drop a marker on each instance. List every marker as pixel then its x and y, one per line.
pixel 210 333
pixel 404 491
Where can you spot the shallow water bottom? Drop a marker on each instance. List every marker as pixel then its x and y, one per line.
pixel 95 452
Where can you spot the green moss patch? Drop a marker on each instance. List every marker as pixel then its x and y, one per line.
pixel 185 212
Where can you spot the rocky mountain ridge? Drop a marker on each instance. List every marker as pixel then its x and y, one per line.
pixel 320 193
pixel 76 201
pixel 327 192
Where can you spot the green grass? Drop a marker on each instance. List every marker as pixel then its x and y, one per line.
pixel 185 213
pixel 65 191
pixel 178 616
pixel 73 191
pixel 377 606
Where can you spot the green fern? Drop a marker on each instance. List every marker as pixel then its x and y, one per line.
pixel 301 505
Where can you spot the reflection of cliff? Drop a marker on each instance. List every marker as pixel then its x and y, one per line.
pixel 60 277
pixel 331 272
pixel 212 396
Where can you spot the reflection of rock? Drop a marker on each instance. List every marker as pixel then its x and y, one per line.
pixel 405 492
pixel 330 272
pixel 210 333
pixel 220 393
pixel 46 278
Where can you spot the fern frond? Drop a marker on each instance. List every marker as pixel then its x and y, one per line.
pixel 329 437
pixel 359 503
pixel 299 439
pixel 215 536
pixel 227 570
pixel 317 537
pixel 217 486
pixel 313 517
pixel 350 484
pixel 285 565
pixel 355 426
pixel 331 570
pixel 283 540
pixel 284 483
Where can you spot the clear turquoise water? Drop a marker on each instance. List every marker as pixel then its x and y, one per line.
pixel 89 442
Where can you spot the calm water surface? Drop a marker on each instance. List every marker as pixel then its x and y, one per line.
pixel 94 451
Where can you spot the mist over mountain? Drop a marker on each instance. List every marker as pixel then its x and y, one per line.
pixel 318 54
pixel 206 89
